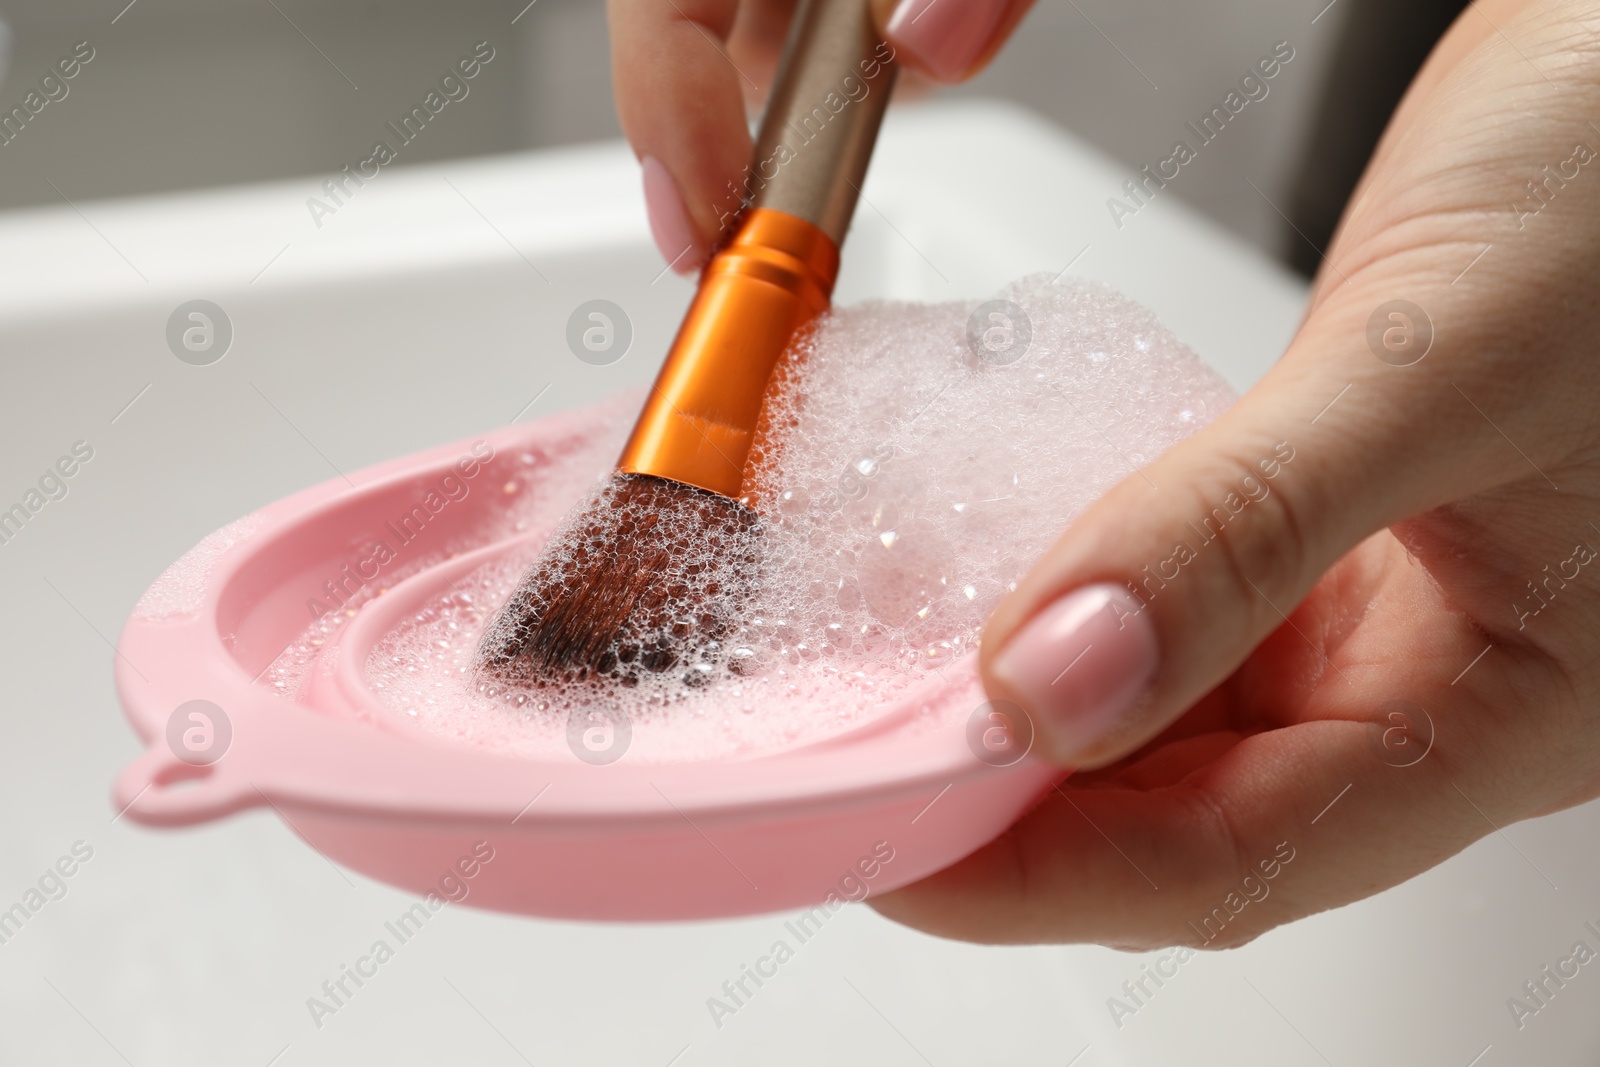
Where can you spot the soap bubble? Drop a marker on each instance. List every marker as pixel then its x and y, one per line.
pixel 904 483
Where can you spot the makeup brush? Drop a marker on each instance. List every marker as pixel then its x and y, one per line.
pixel 648 576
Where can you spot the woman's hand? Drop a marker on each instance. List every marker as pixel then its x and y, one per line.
pixel 1355 621
pixel 685 72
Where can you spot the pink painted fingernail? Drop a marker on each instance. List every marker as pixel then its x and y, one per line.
pixel 669 220
pixel 945 36
pixel 1079 665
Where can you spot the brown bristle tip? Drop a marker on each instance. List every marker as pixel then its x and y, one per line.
pixel 646 579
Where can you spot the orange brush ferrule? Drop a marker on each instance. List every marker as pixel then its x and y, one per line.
pixel 773 278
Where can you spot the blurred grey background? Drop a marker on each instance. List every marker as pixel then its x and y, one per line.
pixel 194 947
pixel 186 93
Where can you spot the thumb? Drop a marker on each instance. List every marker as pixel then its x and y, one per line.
pixel 1160 590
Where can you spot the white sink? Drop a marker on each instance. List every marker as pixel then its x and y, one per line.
pixel 434 304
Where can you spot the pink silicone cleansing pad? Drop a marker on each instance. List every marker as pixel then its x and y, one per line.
pixel 626 840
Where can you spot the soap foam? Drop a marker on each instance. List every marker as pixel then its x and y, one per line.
pixel 560 469
pixel 909 469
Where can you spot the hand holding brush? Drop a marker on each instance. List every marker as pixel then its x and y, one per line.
pixel 646 578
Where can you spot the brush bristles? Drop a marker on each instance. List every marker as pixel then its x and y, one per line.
pixel 647 578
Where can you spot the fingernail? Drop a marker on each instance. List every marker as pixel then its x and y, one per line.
pixel 1079 665
pixel 669 220
pixel 945 36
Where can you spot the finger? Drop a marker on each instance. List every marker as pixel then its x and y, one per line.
pixel 1182 850
pixel 1160 589
pixel 948 40
pixel 681 98
pixel 756 45
pixel 1138 869
pixel 1481 21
